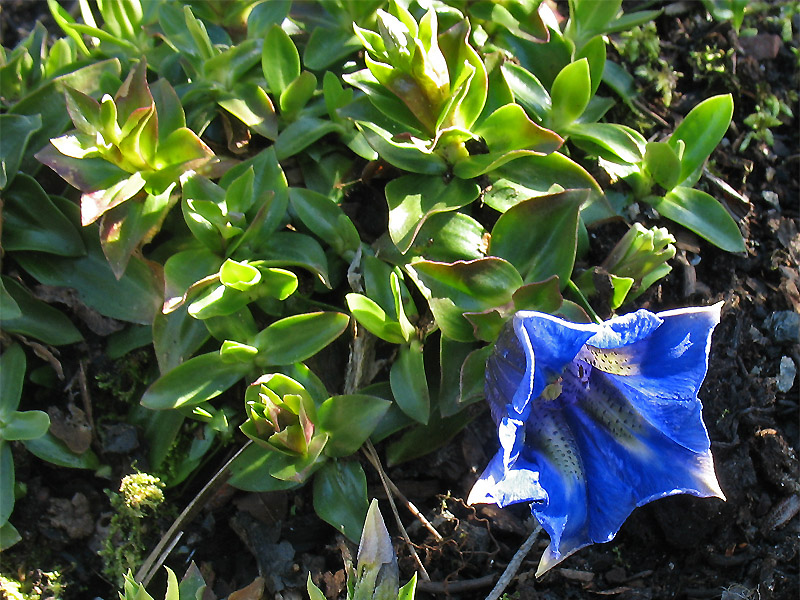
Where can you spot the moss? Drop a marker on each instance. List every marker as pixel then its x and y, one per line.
pixel 139 496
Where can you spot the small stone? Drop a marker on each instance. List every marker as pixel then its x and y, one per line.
pixel 764 46
pixel 771 198
pixel 786 374
pixel 784 325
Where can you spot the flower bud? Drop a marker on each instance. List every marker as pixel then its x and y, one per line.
pixel 280 414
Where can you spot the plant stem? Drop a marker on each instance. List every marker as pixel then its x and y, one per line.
pixel 583 301
pixel 513 566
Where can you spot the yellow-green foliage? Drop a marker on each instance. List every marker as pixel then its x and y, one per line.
pixel 140 494
pixel 48 586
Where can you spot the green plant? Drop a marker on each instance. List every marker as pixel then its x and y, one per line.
pixel 213 150
pixel 191 587
pixel 766 116
pixel 641 46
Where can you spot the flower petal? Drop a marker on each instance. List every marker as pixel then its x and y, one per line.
pixel 673 364
pixel 550 344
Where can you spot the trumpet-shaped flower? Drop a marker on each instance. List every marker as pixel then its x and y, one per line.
pixel 595 420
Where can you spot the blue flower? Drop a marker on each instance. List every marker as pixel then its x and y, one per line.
pixel 595 420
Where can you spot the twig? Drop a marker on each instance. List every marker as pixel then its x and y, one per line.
pixel 370 449
pixel 513 566
pixel 168 541
pixel 409 505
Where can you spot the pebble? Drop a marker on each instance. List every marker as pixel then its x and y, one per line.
pixel 784 325
pixel 786 375
pixel 771 198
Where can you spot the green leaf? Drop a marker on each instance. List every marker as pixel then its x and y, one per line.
pixel 26 425
pixel 301 134
pixel 328 222
pixel 412 199
pixel 328 46
pixel 508 128
pixel 32 222
pixel 422 440
pixel 465 286
pixel 192 584
pixel 265 15
pixel 409 385
pixel 703 214
pixel 314 593
pixel 8 536
pixel 172 592
pixel 527 90
pixel 176 337
pixel 349 421
pixel 539 236
pixel 136 297
pixel 595 53
pixel 340 497
pixel 619 80
pixel 540 173
pixel 452 355
pixel 299 92
pixel 250 471
pixel 408 590
pixel 168 107
pixel 12 364
pixel 570 94
pixel 403 155
pixel 445 237
pixel 9 309
pixel 193 382
pixel 250 104
pixel 371 316
pixel 379 107
pixel 628 21
pixel 54 451
pixel 128 226
pixel 663 164
pixel 621 141
pixel 233 64
pixel 280 60
pixel 701 131
pixel 17 130
pixel 287 248
pixel 7 481
pixel 296 338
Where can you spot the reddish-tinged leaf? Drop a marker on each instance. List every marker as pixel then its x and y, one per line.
pixel 94 204
pixel 134 92
pixel 83 110
pixel 129 226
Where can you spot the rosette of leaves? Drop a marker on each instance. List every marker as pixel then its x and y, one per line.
pixel 427 113
pixel 126 156
pixel 299 431
pixel 280 418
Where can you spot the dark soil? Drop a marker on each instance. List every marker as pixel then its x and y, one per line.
pixel 680 547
